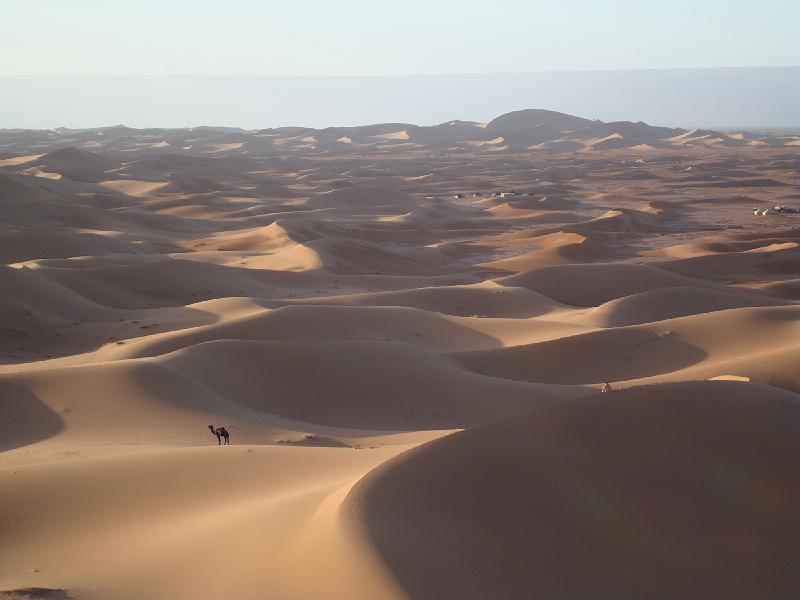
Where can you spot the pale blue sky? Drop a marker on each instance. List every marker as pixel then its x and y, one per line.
pixel 370 37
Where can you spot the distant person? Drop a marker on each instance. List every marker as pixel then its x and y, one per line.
pixel 220 432
pixel 606 388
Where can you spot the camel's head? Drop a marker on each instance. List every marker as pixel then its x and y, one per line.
pixel 211 427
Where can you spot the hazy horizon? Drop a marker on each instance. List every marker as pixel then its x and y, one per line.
pixel 748 97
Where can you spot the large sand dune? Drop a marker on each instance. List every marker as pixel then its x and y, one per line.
pixel 405 330
pixel 671 491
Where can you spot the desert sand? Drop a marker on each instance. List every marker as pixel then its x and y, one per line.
pixel 405 330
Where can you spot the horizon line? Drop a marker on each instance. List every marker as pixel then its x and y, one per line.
pixel 391 75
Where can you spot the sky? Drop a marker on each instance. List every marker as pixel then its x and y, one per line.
pixel 374 37
pixel 254 64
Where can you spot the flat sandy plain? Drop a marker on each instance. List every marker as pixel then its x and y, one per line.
pixel 411 379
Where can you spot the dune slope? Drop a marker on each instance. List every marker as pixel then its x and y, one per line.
pixel 683 490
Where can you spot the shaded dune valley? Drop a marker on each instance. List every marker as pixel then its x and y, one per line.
pixel 407 332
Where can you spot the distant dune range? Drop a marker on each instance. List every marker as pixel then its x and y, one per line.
pixel 405 329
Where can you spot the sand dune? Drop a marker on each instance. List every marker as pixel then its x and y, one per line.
pixel 362 197
pixel 759 264
pixel 647 350
pixel 76 164
pixel 260 239
pixel 244 319
pixel 417 390
pixel 667 303
pixel 553 249
pixel 131 187
pixel 789 289
pixel 119 497
pixel 683 347
pixel 600 486
pixel 483 300
pixel 77 158
pixel 595 284
pixel 404 330
pixel 606 355
pixel 38 301
pixel 18 246
pixel 17 190
pixel 524 119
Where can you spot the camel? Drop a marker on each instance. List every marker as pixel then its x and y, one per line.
pixel 220 432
